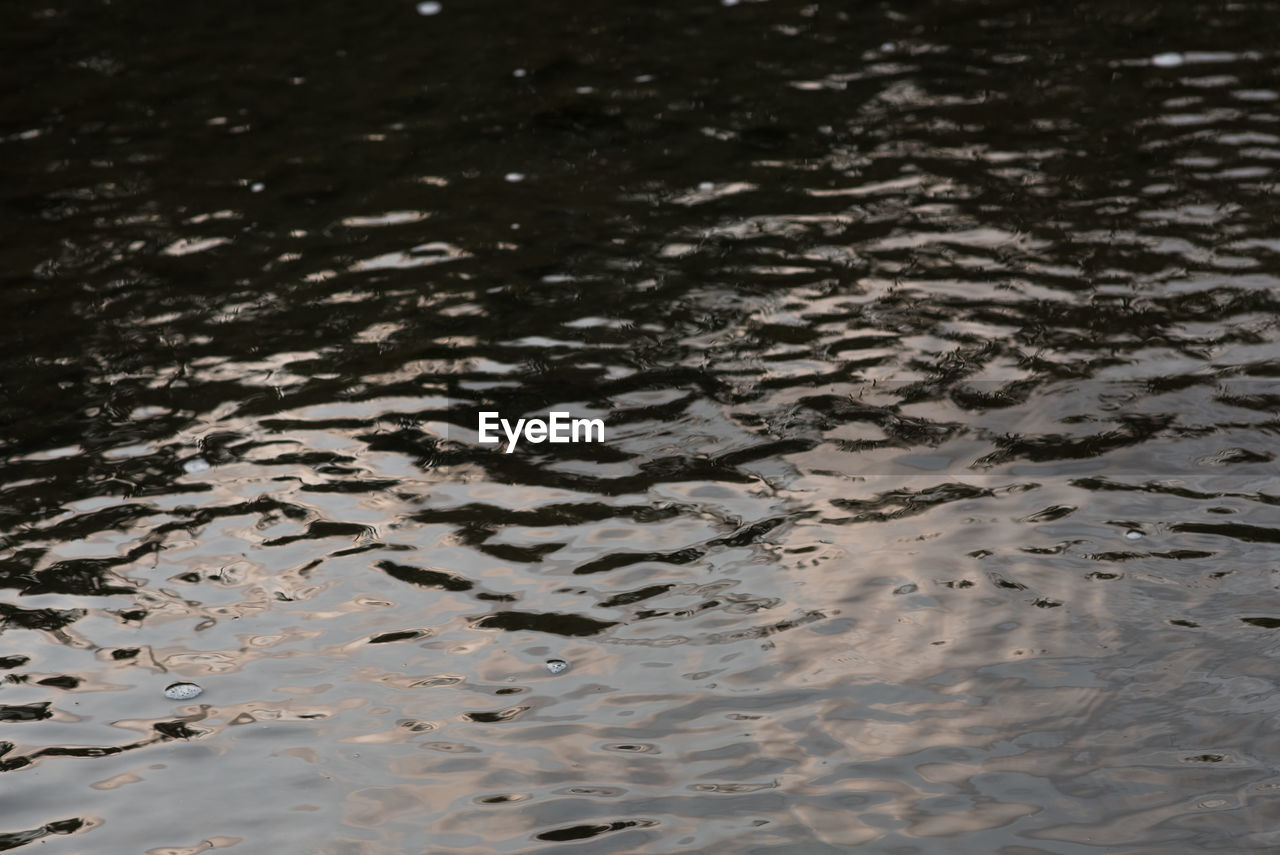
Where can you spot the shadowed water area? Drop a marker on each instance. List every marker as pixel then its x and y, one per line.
pixel 937 350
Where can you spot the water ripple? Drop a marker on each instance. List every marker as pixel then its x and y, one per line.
pixel 935 348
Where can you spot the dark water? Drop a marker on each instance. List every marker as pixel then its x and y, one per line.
pixel 936 345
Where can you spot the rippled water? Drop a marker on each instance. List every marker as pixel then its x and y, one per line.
pixel 936 345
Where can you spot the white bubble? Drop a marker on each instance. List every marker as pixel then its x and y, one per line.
pixel 557 666
pixel 182 691
pixel 888 47
pixel 1133 534
pixel 519 72
pixel 429 7
pixel 706 187
pixel 196 464
pixel 257 187
pixel 513 177
pixel 1167 60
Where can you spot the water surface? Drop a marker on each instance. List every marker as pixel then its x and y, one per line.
pixel 937 350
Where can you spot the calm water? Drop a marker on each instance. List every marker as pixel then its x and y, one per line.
pixel 937 349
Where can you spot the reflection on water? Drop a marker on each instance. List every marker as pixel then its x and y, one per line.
pixel 936 346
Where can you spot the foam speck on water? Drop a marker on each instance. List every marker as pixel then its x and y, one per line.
pixel 182 691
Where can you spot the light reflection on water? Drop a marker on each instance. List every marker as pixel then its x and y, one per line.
pixel 936 507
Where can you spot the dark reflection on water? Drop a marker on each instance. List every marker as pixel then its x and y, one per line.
pixel 937 349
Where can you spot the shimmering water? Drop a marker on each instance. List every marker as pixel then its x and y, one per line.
pixel 936 345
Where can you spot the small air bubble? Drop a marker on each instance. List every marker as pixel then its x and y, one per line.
pixel 182 691
pixel 429 7
pixel 1167 60
pixel 257 187
pixel 513 177
pixel 519 72
pixel 1133 534
pixel 557 666
pixel 196 464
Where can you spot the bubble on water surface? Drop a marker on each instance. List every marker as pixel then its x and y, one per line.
pixel 1133 534
pixel 557 666
pixel 182 691
pixel 1167 60
pixel 429 7
pixel 196 464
